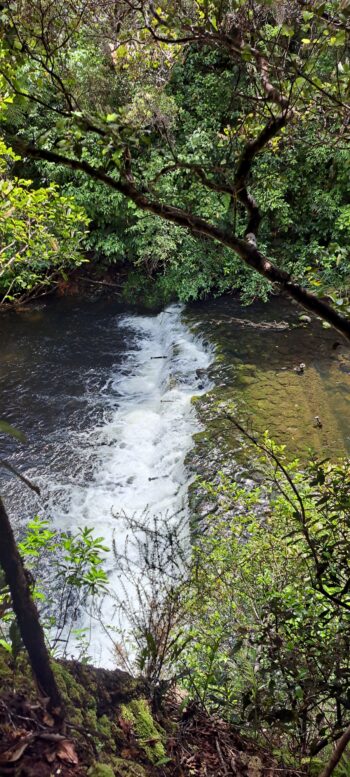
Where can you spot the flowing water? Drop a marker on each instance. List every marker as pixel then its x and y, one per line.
pixel 105 400
pixel 103 394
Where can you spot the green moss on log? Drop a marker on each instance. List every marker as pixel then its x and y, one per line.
pixel 149 737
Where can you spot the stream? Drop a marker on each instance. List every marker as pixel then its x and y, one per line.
pixel 103 393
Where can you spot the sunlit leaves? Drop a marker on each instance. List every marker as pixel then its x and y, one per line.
pixel 268 634
pixel 40 232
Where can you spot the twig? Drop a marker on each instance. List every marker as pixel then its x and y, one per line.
pixel 25 480
pixel 221 755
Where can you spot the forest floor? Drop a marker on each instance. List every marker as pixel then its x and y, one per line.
pixel 110 731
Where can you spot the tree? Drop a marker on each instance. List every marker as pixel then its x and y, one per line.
pixel 27 615
pixel 79 63
pixel 40 233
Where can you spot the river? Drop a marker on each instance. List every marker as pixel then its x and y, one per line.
pixel 103 394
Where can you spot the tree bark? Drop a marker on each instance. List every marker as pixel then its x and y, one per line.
pixel 337 754
pixel 27 615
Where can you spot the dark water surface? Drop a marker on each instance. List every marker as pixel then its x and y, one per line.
pixel 103 394
pixel 55 362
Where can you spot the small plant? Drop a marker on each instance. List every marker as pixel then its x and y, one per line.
pixel 66 578
pixel 153 565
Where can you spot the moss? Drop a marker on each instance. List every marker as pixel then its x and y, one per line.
pixel 94 699
pixel 148 735
pixel 102 729
pixel 81 705
pixel 16 674
pixel 101 770
pixel 128 768
pixel 120 768
pixel 73 692
pixel 5 671
pixel 78 702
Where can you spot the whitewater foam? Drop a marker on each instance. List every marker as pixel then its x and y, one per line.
pixel 139 451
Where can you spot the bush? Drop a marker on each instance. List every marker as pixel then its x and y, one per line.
pixel 268 604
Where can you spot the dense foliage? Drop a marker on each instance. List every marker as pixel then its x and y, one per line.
pixel 269 609
pixel 175 102
pixel 41 233
pixel 257 631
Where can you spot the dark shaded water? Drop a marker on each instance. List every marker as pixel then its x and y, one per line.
pixel 103 394
pixel 55 362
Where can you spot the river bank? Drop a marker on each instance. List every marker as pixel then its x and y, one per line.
pixel 257 378
pixel 112 730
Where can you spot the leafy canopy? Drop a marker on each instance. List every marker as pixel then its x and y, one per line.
pixel 40 232
pixel 113 88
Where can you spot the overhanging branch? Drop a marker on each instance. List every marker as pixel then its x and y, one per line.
pixel 249 254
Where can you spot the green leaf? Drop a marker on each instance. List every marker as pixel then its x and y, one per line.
pixel 287 30
pixel 5 645
pixel 6 428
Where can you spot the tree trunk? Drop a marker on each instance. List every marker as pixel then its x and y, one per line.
pixel 337 754
pixel 27 615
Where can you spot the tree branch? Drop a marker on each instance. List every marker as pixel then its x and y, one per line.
pixel 244 167
pixel 337 754
pixel 249 254
pixel 27 615
pixel 223 188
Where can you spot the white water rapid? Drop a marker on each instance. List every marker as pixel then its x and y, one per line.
pixel 139 452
